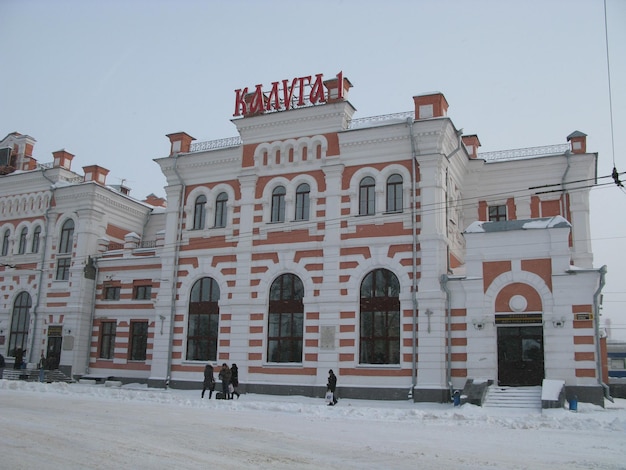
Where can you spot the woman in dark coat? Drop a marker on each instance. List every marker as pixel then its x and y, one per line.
pixel 19 358
pixel 332 386
pixel 225 376
pixel 209 380
pixel 234 379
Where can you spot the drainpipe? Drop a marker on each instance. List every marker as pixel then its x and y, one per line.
pixel 179 230
pixel 444 285
pixel 409 123
pixel 42 262
pixel 443 280
pixel 563 205
pixel 93 311
pixel 596 323
pixel 596 308
pixel 459 135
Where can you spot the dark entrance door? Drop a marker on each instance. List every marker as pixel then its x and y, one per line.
pixel 520 355
pixel 54 352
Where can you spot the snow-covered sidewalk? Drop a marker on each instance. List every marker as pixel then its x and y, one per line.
pixel 93 426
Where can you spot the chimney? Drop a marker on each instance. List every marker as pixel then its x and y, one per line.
pixel 155 201
pixel 471 143
pixel 181 142
pixel 430 105
pixel 578 142
pixel 62 159
pixel 96 173
pixel 334 93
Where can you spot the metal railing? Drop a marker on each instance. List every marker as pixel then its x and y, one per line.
pixel 519 154
pixel 366 121
pixel 215 144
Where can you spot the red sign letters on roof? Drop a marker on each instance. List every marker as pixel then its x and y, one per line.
pixel 303 91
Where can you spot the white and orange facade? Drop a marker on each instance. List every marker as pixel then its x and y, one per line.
pixel 386 249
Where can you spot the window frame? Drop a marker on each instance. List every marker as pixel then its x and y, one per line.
pixel 66 238
pixel 142 292
pixel 63 268
pixel 21 250
pixel 395 201
pixel 138 340
pixel 199 212
pixel 279 194
pixel 108 331
pixel 35 242
pixel 111 292
pixel 203 321
pixel 498 216
pixel 303 202
pixel 380 319
pixel 221 210
pixel 286 311
pixel 20 323
pixel 5 242
pixel 367 196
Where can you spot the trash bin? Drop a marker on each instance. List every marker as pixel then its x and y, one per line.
pixel 573 403
pixel 456 398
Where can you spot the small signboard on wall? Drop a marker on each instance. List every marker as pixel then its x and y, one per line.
pixel 56 330
pixel 583 316
pixel 519 319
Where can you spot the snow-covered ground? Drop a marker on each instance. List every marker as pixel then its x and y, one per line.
pixel 76 426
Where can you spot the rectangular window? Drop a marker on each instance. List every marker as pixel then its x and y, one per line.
pixel 138 341
pixel 284 340
pixel 107 339
pixel 142 292
pixel 63 269
pixel 112 292
pixel 497 213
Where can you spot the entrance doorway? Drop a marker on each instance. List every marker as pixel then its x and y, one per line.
pixel 520 355
pixel 55 341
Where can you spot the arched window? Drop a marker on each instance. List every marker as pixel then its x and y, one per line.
pixel 65 248
pixel 285 320
pixel 394 193
pixel 302 202
pixel 220 210
pixel 380 318
pixel 67 237
pixel 278 204
pixel 367 203
pixel 20 319
pixel 36 237
pixel 5 242
pixel 204 314
pixel 22 246
pixel 199 212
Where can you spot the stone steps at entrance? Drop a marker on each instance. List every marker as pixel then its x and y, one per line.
pixel 513 397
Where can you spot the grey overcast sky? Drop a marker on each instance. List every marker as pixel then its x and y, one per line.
pixel 107 80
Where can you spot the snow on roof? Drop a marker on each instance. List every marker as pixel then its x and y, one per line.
pixel 522 224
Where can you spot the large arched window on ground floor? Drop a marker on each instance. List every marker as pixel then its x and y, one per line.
pixel 380 318
pixel 203 327
pixel 286 320
pixel 20 319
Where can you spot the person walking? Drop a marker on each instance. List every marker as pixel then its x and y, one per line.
pixel 42 367
pixel 2 364
pixel 225 376
pixel 234 380
pixel 332 386
pixel 19 358
pixel 209 380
